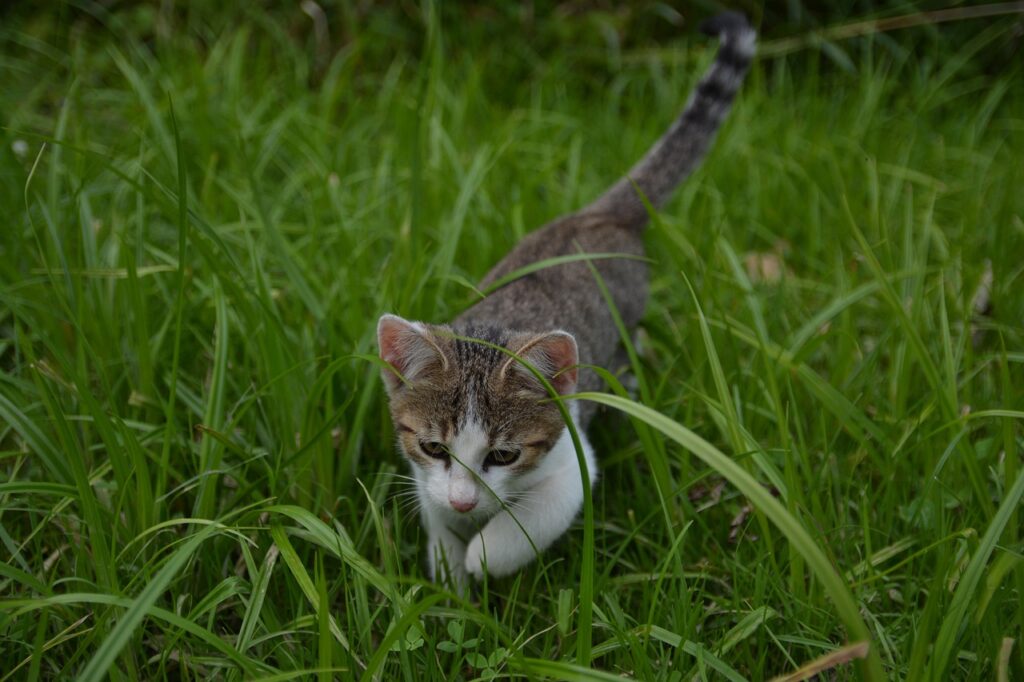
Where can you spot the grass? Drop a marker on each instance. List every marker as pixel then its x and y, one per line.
pixel 205 219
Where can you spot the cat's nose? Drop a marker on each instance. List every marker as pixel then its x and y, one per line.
pixel 462 506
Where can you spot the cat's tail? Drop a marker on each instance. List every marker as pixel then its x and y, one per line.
pixel 681 149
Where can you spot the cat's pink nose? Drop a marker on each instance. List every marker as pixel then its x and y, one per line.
pixel 462 505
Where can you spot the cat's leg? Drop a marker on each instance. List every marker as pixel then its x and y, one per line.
pixel 515 535
pixel 505 546
pixel 446 553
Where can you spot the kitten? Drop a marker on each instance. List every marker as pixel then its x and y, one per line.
pixel 496 473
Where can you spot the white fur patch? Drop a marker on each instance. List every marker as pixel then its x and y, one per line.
pixel 553 495
pixel 746 43
pixel 468 448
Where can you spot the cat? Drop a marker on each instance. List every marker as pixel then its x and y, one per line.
pixel 497 476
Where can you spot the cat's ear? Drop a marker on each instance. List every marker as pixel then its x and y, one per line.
pixel 553 354
pixel 411 348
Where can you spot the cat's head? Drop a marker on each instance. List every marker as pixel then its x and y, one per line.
pixel 473 420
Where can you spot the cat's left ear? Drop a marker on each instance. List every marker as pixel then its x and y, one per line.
pixel 553 354
pixel 410 347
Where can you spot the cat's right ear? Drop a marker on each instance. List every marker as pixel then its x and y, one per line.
pixel 553 354
pixel 410 348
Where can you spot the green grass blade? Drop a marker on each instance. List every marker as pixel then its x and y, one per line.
pixel 956 614
pixel 121 634
pixel 519 273
pixel 846 607
pixel 282 250
pixel 298 571
pixel 735 430
pixel 944 390
pixel 169 617
pixel 210 450
pixel 36 439
pixel 259 594
pixel 568 672
pixel 179 308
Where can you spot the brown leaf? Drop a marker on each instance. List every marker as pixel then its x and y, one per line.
pixel 981 304
pixel 738 521
pixel 713 494
pixel 1003 666
pixel 827 662
pixel 764 267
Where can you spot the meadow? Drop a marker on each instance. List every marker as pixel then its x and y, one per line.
pixel 205 212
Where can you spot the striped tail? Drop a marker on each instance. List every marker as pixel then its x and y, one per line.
pixel 681 149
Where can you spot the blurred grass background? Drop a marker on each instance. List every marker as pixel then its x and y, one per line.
pixel 208 205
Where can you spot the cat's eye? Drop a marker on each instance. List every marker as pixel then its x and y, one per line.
pixel 434 449
pixel 501 457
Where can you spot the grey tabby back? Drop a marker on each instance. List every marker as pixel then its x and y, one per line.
pixel 567 296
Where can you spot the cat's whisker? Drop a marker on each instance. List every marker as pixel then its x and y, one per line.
pixel 409 509
pixel 403 505
pixel 403 485
pixel 395 474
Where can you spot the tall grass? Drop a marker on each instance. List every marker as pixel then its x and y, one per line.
pixel 204 220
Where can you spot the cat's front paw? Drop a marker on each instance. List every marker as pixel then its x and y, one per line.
pixel 446 562
pixel 500 547
pixel 475 557
pixel 452 575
